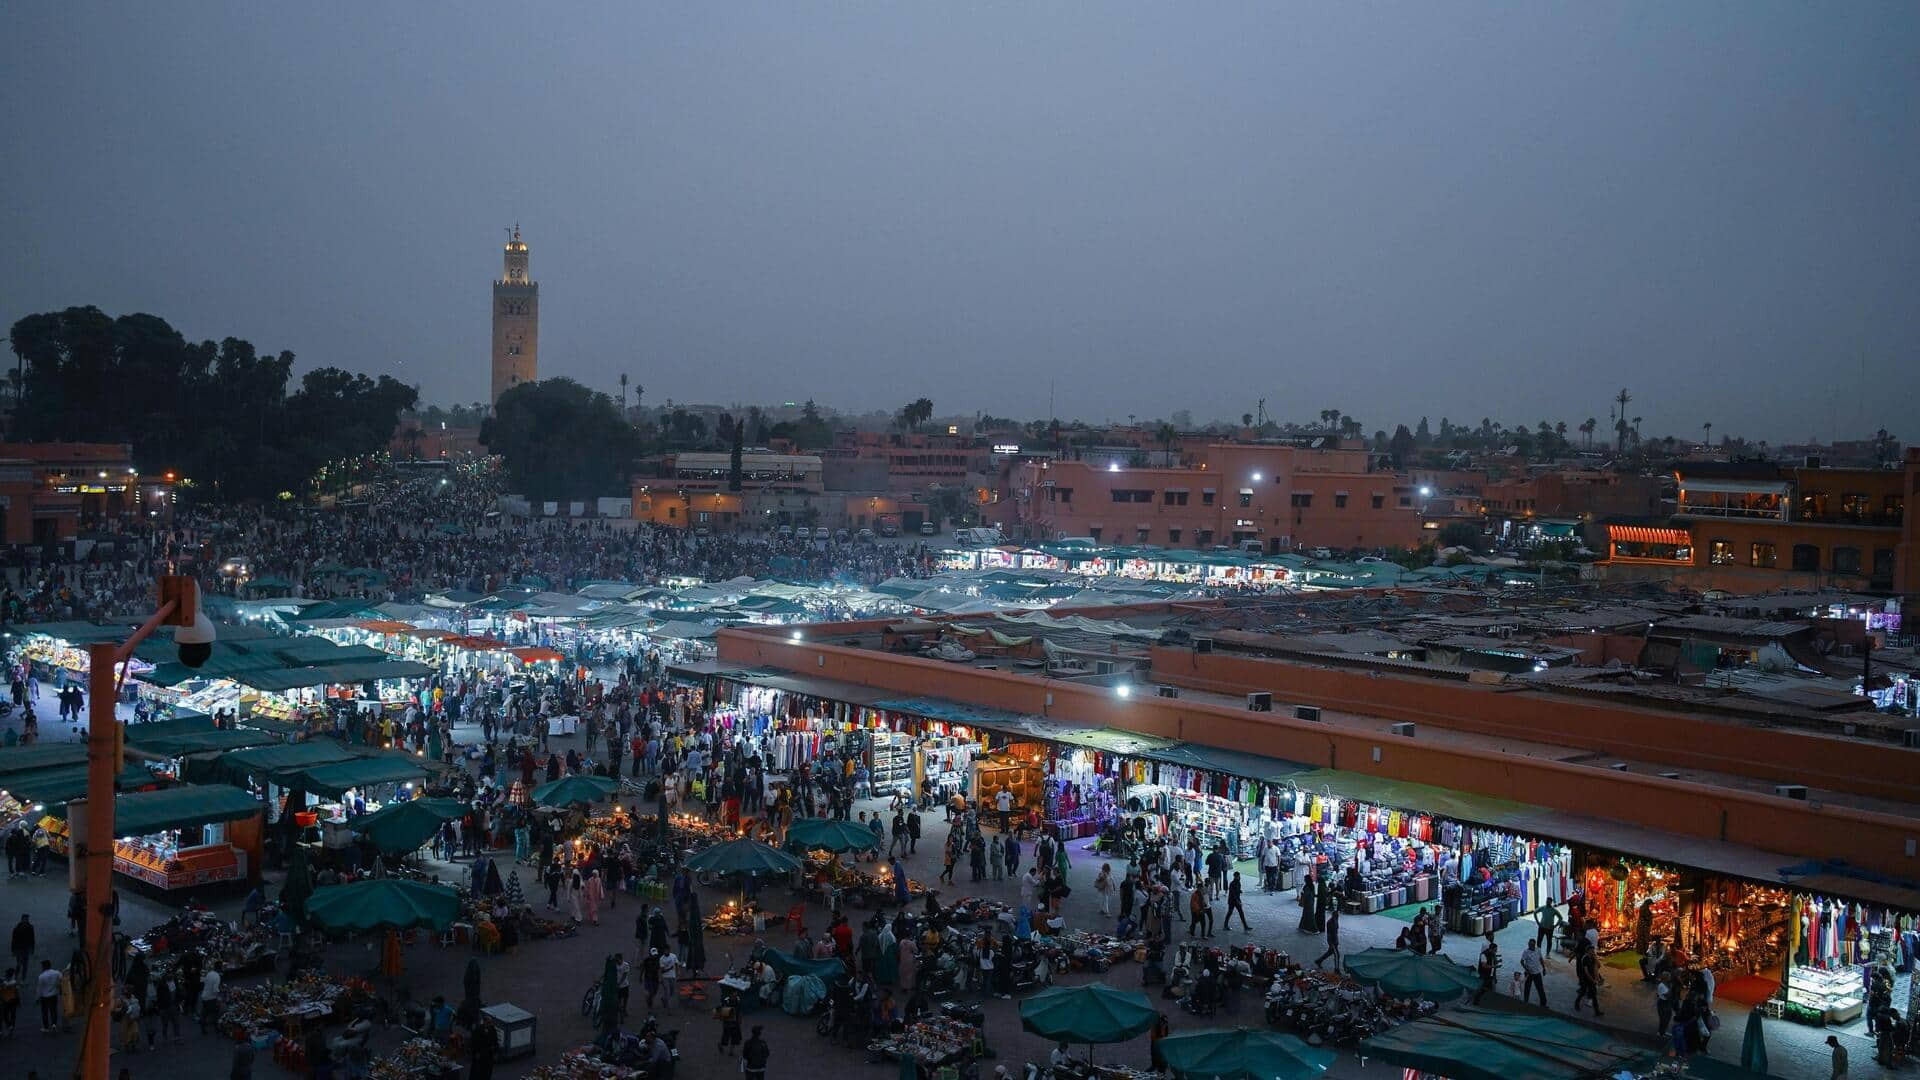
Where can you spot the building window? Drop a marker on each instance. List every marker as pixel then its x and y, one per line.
pixel 1132 495
pixel 1846 560
pixel 1173 536
pixel 1175 498
pixel 672 512
pixel 1762 555
pixel 1720 553
pixel 1894 510
pixel 1203 537
pixel 1140 536
pixel 1406 500
pixel 1379 502
pixel 1883 565
pixel 1094 531
pixel 1813 505
pixel 1300 499
pixel 1806 557
pixel 1065 495
pixel 1246 496
pixel 1340 500
pixel 1855 506
pixel 1206 498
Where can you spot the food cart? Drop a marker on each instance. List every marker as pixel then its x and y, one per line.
pixel 179 838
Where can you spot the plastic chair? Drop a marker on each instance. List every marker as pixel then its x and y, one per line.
pixel 797 918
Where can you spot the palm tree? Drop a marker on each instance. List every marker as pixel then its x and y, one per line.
pixel 1707 427
pixel 1588 429
pixel 1167 434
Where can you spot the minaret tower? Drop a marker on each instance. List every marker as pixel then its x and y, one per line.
pixel 516 321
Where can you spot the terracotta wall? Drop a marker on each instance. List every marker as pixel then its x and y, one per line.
pixel 1875 841
pixel 1681 739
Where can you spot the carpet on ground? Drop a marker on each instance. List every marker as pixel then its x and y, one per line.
pixel 1625 958
pixel 1404 913
pixel 1748 990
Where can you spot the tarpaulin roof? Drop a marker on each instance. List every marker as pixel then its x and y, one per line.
pixel 265 761
pixel 1475 1044
pixel 57 785
pixel 145 812
pixel 534 654
pixel 199 742
pixel 146 730
pixel 332 674
pixel 333 609
pixel 335 779
pixel 77 632
pixel 19 759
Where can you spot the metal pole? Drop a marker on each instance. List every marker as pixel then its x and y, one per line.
pixel 97 1041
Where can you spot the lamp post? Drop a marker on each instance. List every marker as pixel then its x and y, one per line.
pixel 178 607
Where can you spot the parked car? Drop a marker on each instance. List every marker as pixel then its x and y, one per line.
pixel 840 536
pixel 927 528
pixel 786 532
pixel 889 527
pixel 1322 553
pixel 865 536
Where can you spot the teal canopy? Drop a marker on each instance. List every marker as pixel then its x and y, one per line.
pixel 831 834
pixel 786 964
pixel 743 857
pixel 1243 1054
pixel 383 904
pixel 145 812
pixel 1477 1044
pixel 1094 1013
pixel 575 790
pixel 1404 974
pixel 399 828
pixel 337 778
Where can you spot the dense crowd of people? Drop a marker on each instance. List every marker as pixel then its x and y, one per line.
pixel 419 534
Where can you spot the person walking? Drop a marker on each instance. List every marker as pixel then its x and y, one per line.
pixel 1103 884
pixel 1234 903
pixel 209 997
pixel 669 979
pixel 482 1048
pixel 1533 968
pixel 1546 921
pixel 47 990
pixel 1489 968
pixel 1333 937
pixel 1586 969
pixel 23 945
pixel 753 1057
pixel 1838 1058
pixel 728 1013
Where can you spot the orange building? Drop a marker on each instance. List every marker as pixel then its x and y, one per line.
pixel 1758 527
pixel 50 491
pixel 1279 497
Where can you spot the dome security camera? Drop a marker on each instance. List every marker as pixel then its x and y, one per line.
pixel 195 642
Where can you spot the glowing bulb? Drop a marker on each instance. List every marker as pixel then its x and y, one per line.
pixel 1256 477
pixel 1123 690
pixel 1113 466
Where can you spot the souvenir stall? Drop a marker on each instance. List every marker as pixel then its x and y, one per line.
pixel 1080 799
pixel 1020 768
pixel 57 652
pixel 1198 803
pixel 288 1007
pixel 1832 946
pixel 943 756
pixel 227 946
pixel 1631 901
pixel 1742 927
pixel 416 1059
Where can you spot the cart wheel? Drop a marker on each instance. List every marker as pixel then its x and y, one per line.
pixel 590 1001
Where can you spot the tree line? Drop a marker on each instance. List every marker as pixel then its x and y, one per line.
pixel 224 417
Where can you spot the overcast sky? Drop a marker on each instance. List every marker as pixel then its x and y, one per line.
pixel 1454 209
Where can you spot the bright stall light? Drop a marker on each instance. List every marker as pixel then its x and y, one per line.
pixel 1123 690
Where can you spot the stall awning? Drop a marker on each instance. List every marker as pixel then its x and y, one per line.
pixel 274 681
pixel 1644 534
pixel 75 632
pixel 236 766
pixel 145 812
pixel 192 723
pixel 69 782
pixel 198 742
pixel 536 655
pixel 383 626
pixel 477 644
pixel 1476 1044
pixel 334 780
pixel 21 759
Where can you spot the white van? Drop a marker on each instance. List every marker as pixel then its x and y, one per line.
pixel 985 537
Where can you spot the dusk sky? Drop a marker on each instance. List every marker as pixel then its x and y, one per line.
pixel 1460 209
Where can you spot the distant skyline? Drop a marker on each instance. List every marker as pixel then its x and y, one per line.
pixel 1398 210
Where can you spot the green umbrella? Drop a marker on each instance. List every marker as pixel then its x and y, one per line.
pixel 1403 974
pixel 575 790
pixel 1242 1054
pixel 401 827
pixel 743 857
pixel 297 888
pixel 1753 1048
pixel 384 904
pixel 533 581
pixel 831 834
pixel 1094 1013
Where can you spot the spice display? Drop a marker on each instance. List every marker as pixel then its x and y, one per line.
pixel 415 1059
pixel 309 996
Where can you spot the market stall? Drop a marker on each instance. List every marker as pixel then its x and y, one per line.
pixel 1018 768
pixel 181 837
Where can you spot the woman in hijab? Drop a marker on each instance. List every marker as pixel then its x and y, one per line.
pixel 594 893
